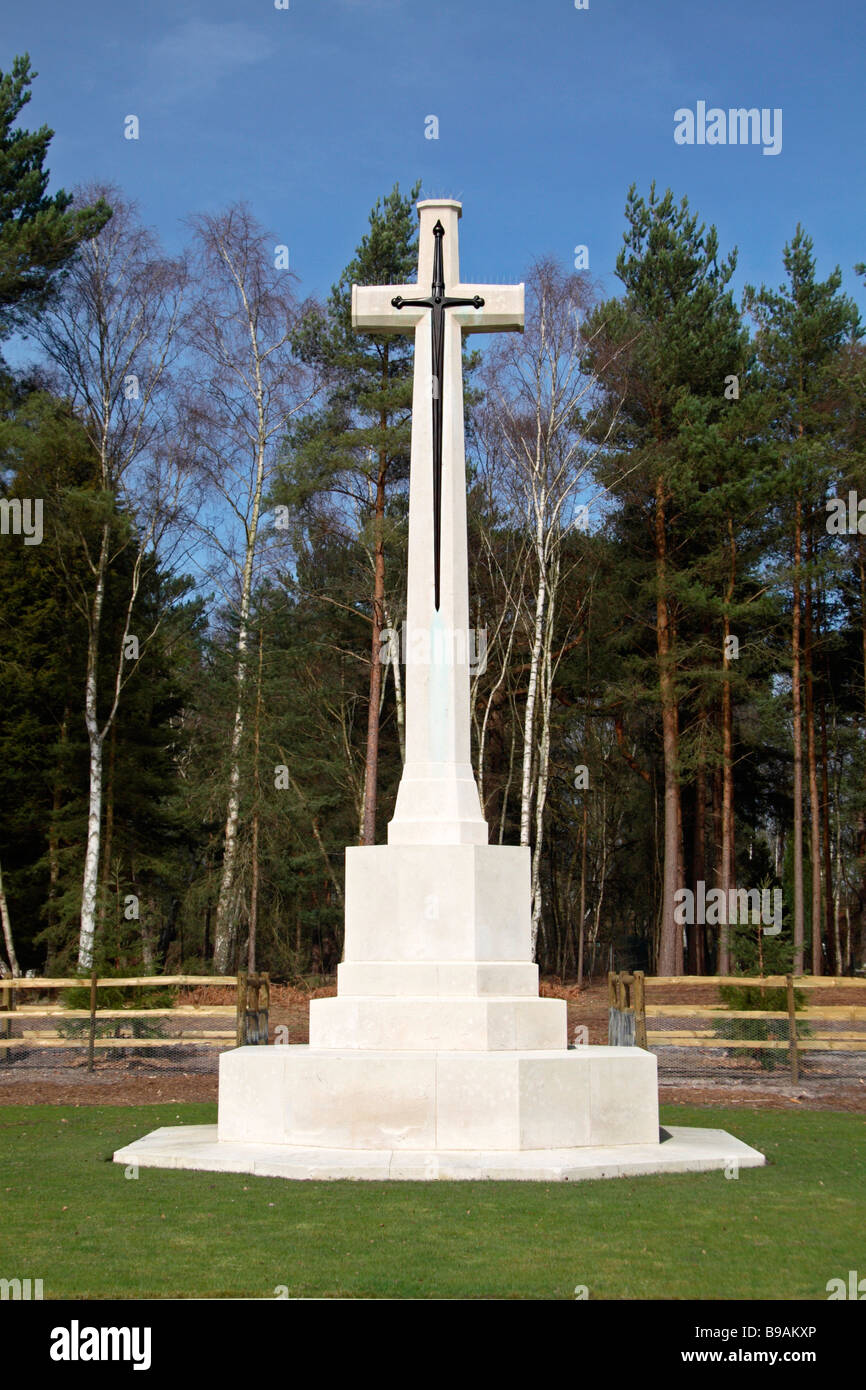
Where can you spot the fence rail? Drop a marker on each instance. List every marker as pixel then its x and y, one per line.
pixel 793 1030
pixel 250 1010
pixel 114 981
pixel 766 981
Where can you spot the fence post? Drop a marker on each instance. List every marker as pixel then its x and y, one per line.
pixel 264 1007
pixel 612 1038
pixel 7 998
pixel 626 1017
pixel 639 1001
pixel 792 1030
pixel 252 1009
pixel 241 1035
pixel 92 1031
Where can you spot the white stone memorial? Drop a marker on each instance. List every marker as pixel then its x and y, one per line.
pixel 437 1058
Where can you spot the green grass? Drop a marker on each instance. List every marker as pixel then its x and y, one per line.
pixel 72 1218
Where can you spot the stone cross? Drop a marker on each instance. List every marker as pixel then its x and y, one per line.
pixel 438 801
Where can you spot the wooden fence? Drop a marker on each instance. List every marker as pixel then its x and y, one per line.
pixel 631 1016
pixel 249 1009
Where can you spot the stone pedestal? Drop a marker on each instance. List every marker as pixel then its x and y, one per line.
pixel 438 1039
pixel 438 1060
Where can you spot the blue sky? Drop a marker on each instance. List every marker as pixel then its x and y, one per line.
pixel 546 115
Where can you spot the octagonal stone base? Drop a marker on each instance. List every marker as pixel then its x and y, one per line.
pixel 677 1150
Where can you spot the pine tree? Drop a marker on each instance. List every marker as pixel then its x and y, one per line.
pixel 38 234
pixel 802 329
pixel 43 746
pixel 674 338
pixel 45 455
pixel 353 455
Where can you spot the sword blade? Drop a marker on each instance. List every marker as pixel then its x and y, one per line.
pixel 437 325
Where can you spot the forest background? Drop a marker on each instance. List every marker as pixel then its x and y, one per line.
pixel 203 506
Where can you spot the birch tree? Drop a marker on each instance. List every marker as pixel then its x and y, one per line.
pixel 246 385
pixel 539 392
pixel 111 340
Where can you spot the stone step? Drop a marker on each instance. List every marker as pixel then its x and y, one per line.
pixel 676 1151
pixel 353 1099
pixel 452 1025
pixel 438 979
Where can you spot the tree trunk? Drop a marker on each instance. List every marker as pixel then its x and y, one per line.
pixel 225 925
pixel 811 761
pixel 602 879
pixel 371 776
pixel 91 855
pixel 728 866
pixel 581 931
pixel 696 956
pixel 7 931
pixel 53 833
pixel 146 935
pixel 227 903
pixel 109 826
pixel 506 790
pixel 532 694
pixel 831 918
pixel 681 878
pixel 95 736
pixel 668 934
pixel 254 867
pixel 543 762
pixel 798 749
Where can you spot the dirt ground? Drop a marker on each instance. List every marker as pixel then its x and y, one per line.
pixel 120 1083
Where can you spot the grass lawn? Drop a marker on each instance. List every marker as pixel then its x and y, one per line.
pixel 71 1218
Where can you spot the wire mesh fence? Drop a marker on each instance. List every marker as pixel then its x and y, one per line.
pixel 51 1031
pixel 155 1041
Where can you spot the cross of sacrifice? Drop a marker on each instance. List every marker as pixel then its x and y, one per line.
pixel 437 695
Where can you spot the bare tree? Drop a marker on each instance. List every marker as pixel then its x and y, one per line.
pixel 112 337
pixel 245 386
pixel 539 393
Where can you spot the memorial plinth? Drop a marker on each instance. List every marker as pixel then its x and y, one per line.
pixel 437 1058
pixel 438 1039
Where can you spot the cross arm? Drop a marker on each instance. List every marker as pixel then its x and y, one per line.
pixel 373 312
pixel 503 309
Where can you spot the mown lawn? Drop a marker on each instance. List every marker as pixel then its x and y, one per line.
pixel 71 1218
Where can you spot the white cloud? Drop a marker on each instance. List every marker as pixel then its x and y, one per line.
pixel 199 54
